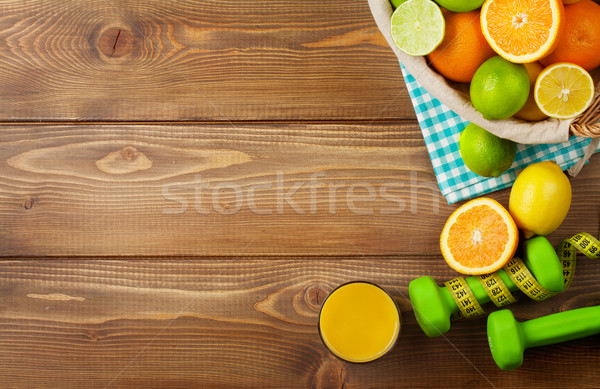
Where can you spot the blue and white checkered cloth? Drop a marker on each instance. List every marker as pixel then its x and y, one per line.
pixel 441 129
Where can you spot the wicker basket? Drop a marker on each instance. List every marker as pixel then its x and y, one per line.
pixel 455 96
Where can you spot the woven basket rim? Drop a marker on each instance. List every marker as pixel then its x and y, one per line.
pixel 587 124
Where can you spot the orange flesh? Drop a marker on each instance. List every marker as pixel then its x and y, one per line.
pixel 520 27
pixel 478 237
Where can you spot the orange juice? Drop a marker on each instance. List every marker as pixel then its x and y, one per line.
pixel 359 322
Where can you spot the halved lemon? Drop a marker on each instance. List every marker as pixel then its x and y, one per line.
pixel 480 237
pixel 522 31
pixel 564 90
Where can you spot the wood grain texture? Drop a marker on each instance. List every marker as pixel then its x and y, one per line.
pixel 212 189
pixel 189 60
pixel 182 183
pixel 238 322
pixel 290 189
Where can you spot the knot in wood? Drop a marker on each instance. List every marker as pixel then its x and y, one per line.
pixel 315 295
pixel 93 336
pixel 331 374
pixel 28 204
pixel 116 42
pixel 129 153
pixel 126 160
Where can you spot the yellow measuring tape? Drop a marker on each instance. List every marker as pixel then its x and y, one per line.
pixel 463 297
pixel 522 277
pixel 496 289
pixel 567 252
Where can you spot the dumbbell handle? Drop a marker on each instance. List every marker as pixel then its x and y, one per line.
pixel 478 290
pixel 480 293
pixel 561 327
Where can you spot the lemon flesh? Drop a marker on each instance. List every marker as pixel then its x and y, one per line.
pixel 564 90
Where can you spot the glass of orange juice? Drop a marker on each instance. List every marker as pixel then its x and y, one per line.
pixel 359 322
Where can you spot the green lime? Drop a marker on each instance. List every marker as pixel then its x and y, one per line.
pixel 418 27
pixel 499 88
pixel 460 5
pixel 485 153
pixel 396 3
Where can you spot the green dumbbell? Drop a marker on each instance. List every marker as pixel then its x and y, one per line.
pixel 433 305
pixel 508 338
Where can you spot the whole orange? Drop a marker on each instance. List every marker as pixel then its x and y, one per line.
pixel 463 49
pixel 579 42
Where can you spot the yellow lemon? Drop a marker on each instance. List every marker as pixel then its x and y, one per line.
pixel 540 198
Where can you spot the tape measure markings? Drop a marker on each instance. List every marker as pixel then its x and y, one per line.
pixel 496 289
pixel 567 253
pixel 522 277
pixel 464 298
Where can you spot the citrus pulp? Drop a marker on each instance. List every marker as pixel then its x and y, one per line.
pixel 480 237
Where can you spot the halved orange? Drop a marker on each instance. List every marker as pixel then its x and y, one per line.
pixel 480 237
pixel 522 31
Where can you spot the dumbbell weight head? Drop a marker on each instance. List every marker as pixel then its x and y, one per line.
pixel 509 338
pixel 432 305
pixel 505 339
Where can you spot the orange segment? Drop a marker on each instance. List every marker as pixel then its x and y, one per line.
pixel 522 31
pixel 480 237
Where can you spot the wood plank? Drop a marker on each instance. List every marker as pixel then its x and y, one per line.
pixel 168 322
pixel 287 188
pixel 279 189
pixel 196 60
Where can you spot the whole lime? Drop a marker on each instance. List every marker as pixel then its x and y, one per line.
pixel 396 3
pixel 485 153
pixel 499 88
pixel 460 5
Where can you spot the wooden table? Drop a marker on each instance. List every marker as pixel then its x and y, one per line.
pixel 183 182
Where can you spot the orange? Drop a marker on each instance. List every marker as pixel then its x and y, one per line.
pixel 522 31
pixel 463 49
pixel 580 41
pixel 480 237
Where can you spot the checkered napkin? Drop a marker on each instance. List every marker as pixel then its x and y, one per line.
pixel 441 128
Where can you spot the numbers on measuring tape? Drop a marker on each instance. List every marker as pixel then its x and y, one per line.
pixel 496 289
pixel 567 252
pixel 522 277
pixel 464 298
